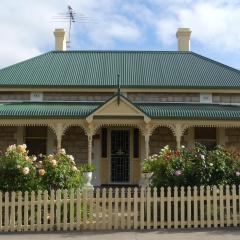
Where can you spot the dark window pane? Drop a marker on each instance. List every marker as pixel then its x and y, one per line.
pixel 206 136
pixel 36 146
pixel 39 132
pixel 104 142
pixel 205 133
pixel 136 143
pixel 36 140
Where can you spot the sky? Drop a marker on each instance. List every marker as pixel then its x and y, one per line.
pixel 27 26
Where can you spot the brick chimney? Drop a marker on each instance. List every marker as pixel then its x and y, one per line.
pixel 60 39
pixel 183 36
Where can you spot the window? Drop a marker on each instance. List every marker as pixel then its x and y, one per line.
pixel 206 136
pixel 104 142
pixel 136 143
pixel 36 140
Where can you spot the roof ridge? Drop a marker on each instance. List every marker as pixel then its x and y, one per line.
pixel 26 60
pixel 93 51
pixel 123 51
pixel 216 62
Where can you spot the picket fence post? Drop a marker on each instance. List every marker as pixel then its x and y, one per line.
pixel 162 208
pixel 58 209
pixel 1 220
pixel 110 204
pixel 155 209
pixel 182 207
pixel 71 209
pixel 19 212
pixel 136 209
pixel 52 212
pixel 12 212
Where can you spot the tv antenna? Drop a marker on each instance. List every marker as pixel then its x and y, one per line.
pixel 71 17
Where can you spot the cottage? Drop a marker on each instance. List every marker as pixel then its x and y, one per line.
pixel 115 108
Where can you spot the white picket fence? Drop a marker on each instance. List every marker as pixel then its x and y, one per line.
pixel 125 208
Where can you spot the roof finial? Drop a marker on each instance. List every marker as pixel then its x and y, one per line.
pixel 119 88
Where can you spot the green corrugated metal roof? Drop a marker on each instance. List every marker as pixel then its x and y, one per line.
pixel 190 111
pixel 136 69
pixel 83 109
pixel 47 110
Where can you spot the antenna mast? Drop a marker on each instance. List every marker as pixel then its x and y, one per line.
pixel 71 17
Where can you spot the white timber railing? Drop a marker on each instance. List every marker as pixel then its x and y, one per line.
pixel 124 208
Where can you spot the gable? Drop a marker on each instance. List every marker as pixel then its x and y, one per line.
pixel 118 108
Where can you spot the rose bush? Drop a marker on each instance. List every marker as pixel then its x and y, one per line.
pixel 59 171
pixel 17 170
pixel 193 167
pixel 21 172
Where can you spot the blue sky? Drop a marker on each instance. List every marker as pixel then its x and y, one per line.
pixel 27 26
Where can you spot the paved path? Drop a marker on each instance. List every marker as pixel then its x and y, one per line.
pixel 225 234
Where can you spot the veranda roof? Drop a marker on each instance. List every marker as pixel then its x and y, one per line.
pixel 153 110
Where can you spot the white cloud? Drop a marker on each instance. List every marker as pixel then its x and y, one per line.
pixel 214 23
pixel 119 28
pixel 25 29
pixel 27 26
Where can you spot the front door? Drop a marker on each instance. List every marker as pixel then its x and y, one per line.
pixel 120 156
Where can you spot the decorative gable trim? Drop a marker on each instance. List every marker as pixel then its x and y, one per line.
pixel 118 106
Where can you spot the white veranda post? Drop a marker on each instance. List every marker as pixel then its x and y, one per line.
pixel 179 129
pixel 147 137
pixel 59 130
pixel 89 148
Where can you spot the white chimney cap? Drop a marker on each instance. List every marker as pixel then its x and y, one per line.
pixel 60 39
pixel 183 36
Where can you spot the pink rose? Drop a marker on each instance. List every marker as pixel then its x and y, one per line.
pixel 178 173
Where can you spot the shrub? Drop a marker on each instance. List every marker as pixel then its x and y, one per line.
pixel 87 168
pixel 193 167
pixel 17 170
pixel 21 172
pixel 59 171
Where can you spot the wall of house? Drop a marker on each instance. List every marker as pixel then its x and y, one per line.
pixel 226 98
pixel 61 96
pixel 161 137
pixel 56 96
pixel 14 96
pixel 133 96
pixel 75 143
pixel 232 138
pixel 164 97
pixel 8 136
